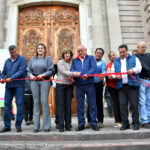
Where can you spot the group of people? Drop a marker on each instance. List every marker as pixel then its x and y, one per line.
pixel 128 87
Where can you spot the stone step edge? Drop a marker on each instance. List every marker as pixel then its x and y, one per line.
pixel 74 137
pixel 104 143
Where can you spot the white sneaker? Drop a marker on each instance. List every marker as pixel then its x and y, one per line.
pixel 117 124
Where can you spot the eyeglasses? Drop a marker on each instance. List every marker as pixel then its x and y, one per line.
pixel 99 53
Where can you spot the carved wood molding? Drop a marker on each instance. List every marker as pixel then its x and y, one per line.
pixel 56 26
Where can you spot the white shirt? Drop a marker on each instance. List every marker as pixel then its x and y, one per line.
pixel 136 70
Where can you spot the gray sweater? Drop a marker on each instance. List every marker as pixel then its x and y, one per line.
pixel 64 72
pixel 41 65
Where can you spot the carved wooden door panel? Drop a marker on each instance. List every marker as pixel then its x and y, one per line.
pixel 55 26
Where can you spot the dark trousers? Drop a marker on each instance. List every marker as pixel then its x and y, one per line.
pixel 18 92
pixel 28 107
pixel 99 102
pixel 116 105
pixel 89 90
pixel 56 114
pixel 129 95
pixel 64 94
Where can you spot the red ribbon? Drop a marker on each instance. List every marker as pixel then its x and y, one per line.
pixel 97 75
pixel 139 81
pixel 37 78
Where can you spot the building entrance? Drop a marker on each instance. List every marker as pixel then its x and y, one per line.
pixel 55 26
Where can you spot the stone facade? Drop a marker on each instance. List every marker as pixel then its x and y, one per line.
pixel 2 15
pixel 103 23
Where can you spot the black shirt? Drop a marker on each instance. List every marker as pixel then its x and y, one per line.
pixel 145 62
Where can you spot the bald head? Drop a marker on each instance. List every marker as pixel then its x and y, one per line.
pixel 81 47
pixel 81 50
pixel 141 47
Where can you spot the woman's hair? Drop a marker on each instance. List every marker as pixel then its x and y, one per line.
pixel 44 49
pixel 64 51
pixel 110 53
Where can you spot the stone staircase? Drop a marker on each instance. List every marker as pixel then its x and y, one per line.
pixel 108 138
pixel 131 22
pixel 82 141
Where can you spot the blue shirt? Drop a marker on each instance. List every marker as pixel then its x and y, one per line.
pixel 101 68
pixel 15 70
pixel 87 67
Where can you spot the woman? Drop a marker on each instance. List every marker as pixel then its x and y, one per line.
pixel 111 86
pixel 64 90
pixel 40 67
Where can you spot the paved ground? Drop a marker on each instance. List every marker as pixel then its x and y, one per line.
pixel 108 138
pixel 108 128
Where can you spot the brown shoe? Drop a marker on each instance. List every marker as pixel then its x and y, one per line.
pixel 100 125
pixel 145 125
pixel 88 125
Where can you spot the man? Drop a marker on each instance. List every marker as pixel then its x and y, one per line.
pixel 134 52
pixel 144 91
pixel 128 88
pixel 101 68
pixel 85 64
pixel 14 68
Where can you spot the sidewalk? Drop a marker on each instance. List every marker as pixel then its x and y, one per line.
pixel 107 129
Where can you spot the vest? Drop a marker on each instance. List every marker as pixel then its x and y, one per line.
pixel 131 63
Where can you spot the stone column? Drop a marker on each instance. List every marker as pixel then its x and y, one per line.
pixel 2 15
pixel 97 25
pixel 114 24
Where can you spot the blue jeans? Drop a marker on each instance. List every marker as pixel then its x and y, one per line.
pixel 144 101
pixel 89 90
pixel 18 92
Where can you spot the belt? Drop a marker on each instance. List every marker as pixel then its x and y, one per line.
pixel 146 78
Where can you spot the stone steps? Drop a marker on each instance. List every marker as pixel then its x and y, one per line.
pixel 79 145
pixel 108 138
pixel 75 136
pixel 131 22
pixel 122 140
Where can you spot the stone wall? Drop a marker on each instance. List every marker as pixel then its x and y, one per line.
pixel 145 11
pixel 2 16
pixel 132 30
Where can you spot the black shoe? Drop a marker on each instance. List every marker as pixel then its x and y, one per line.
pixel 80 128
pixel 47 130
pixel 68 129
pixel 36 130
pixel 18 130
pixel 5 130
pixel 95 128
pixel 27 123
pixel 61 130
pixel 146 125
pixel 30 122
pixel 124 127
pixel 136 127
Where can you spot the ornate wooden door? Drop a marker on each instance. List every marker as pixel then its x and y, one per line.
pixel 55 26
